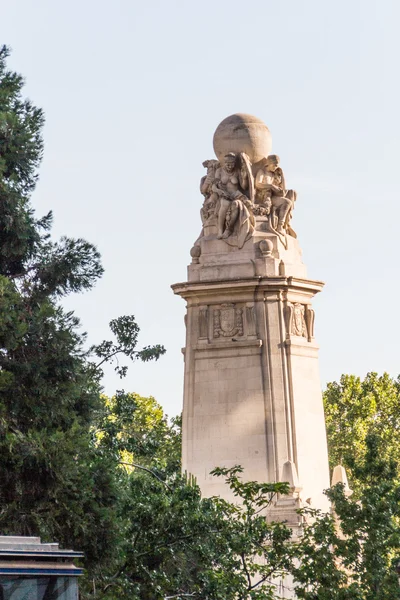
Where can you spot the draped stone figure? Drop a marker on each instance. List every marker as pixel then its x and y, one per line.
pixel 271 193
pixel 234 186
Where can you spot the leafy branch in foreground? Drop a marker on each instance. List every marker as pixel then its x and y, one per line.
pixel 126 331
pixel 179 545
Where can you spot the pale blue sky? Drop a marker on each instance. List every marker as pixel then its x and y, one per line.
pixel 133 92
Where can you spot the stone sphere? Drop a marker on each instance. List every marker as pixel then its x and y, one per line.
pixel 242 133
pixel 266 246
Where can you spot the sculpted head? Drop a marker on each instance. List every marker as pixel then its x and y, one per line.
pixel 230 162
pixel 211 164
pixel 272 162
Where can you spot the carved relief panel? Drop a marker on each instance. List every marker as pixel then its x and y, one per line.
pixel 228 321
pixel 298 320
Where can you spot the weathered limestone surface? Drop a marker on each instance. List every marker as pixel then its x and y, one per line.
pixel 252 393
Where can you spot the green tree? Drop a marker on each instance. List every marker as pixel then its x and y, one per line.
pixel 355 409
pixel 354 554
pixel 54 480
pixel 136 430
pixel 178 545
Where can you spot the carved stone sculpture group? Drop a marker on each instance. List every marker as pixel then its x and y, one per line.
pixel 235 192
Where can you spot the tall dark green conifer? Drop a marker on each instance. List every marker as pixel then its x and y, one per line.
pixel 53 480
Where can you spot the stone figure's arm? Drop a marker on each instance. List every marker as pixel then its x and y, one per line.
pixel 217 185
pixel 283 182
pixel 264 182
pixel 243 178
pixel 261 182
pixel 204 185
pixel 276 189
pixel 207 181
pixel 243 175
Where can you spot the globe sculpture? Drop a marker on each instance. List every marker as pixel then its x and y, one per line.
pixel 242 133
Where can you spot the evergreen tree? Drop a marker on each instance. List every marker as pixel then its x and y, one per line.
pixel 54 480
pixel 51 483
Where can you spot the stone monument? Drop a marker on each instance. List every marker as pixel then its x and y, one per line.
pixel 252 392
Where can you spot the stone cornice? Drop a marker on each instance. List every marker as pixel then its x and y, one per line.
pixel 245 287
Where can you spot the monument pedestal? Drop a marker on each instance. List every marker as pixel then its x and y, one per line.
pixel 252 393
pixel 264 254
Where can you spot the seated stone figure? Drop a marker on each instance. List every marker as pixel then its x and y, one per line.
pixel 271 193
pixel 234 186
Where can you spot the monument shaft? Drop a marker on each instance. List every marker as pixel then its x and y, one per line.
pixel 252 393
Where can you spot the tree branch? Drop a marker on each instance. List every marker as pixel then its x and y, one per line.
pixel 147 471
pixel 246 570
pixel 166 545
pixel 106 358
pixel 180 596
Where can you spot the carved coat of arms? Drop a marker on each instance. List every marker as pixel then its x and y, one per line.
pixel 299 323
pixel 228 321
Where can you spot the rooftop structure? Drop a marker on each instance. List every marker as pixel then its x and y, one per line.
pixel 30 569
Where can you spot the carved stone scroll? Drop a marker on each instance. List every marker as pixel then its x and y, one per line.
pixel 251 320
pixel 310 318
pixel 228 321
pixel 203 322
pixel 288 314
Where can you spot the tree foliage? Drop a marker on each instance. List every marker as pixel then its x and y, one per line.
pixel 54 480
pixel 356 409
pixel 178 545
pixel 354 554
pixel 135 430
pixel 126 332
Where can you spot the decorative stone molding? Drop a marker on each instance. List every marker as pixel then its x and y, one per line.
pixel 266 247
pixel 289 474
pixel 339 476
pixel 251 328
pixel 310 318
pixel 288 314
pixel 195 254
pixel 203 322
